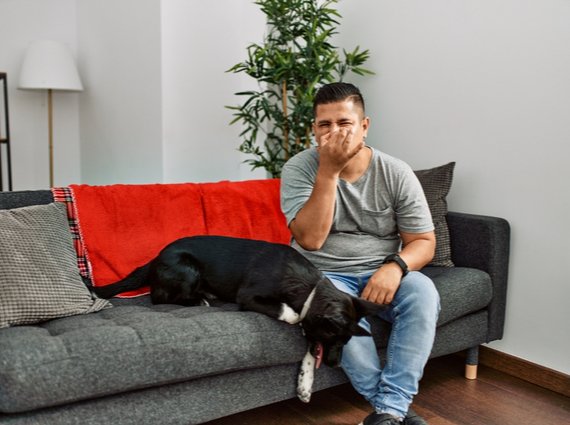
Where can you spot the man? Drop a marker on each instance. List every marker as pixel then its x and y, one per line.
pixel 361 217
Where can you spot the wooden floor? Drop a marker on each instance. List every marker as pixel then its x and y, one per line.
pixel 445 398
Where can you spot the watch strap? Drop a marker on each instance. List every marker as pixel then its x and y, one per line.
pixel 395 258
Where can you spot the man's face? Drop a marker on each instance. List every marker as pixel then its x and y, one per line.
pixel 339 117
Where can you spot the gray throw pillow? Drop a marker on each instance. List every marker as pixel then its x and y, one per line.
pixel 436 183
pixel 39 278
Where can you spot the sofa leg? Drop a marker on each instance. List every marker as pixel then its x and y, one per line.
pixel 471 371
pixel 471 362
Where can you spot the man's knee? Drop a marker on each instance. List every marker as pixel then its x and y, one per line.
pixel 420 292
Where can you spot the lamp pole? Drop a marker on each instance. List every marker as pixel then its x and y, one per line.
pixel 50 130
pixel 49 65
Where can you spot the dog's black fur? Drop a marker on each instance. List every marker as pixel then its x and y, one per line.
pixel 259 276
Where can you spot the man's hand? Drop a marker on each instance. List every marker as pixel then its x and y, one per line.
pixel 418 250
pixel 382 286
pixel 336 149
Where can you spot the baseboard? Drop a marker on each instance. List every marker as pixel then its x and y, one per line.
pixel 531 372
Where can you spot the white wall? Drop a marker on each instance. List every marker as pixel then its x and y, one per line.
pixel 121 110
pixel 154 109
pixel 51 20
pixel 486 84
pixel 199 44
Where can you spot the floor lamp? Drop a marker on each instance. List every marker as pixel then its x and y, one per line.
pixel 49 65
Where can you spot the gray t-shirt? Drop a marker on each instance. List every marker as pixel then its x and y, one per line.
pixel 368 215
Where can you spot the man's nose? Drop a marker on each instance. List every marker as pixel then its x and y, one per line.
pixel 335 128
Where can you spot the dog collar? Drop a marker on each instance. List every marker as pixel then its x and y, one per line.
pixel 307 304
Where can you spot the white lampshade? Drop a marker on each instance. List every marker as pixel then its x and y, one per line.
pixel 49 65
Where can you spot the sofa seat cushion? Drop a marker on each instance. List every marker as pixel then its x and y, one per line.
pixel 462 291
pixel 131 347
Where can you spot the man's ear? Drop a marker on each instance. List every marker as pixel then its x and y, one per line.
pixel 366 308
pixel 365 126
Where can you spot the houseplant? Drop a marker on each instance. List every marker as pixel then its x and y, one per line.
pixel 295 58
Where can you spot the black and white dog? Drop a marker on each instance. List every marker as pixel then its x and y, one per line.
pixel 273 279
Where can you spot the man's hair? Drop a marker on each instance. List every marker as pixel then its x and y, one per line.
pixel 338 92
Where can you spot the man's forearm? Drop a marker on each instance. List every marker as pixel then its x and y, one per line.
pixel 418 250
pixel 313 222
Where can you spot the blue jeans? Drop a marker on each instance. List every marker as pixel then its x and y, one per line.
pixel 413 314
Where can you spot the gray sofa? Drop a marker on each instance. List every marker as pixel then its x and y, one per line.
pixel 138 363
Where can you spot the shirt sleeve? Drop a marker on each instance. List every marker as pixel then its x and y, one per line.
pixel 412 210
pixel 297 180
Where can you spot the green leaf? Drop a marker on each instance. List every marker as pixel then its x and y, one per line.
pixel 297 51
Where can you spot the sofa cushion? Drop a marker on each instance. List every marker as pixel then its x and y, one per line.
pixel 462 291
pixel 39 279
pixel 436 183
pixel 129 347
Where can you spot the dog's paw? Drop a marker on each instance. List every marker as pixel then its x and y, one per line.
pixel 304 396
pixel 289 315
pixel 306 378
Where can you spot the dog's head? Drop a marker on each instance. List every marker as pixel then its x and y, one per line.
pixel 332 320
pixel 176 285
pixel 180 295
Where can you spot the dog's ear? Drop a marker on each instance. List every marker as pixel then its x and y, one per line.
pixel 366 308
pixel 333 323
pixel 358 331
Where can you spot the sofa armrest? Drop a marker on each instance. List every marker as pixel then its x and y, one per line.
pixel 483 242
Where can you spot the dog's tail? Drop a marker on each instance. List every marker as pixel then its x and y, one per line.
pixel 135 280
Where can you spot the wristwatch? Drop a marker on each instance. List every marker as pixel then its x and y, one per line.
pixel 395 258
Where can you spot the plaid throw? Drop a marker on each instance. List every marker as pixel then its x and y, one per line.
pixel 65 196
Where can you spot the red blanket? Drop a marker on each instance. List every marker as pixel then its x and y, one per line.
pixel 124 226
pixel 249 209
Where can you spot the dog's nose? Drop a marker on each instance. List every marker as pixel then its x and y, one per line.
pixel 333 364
pixel 334 359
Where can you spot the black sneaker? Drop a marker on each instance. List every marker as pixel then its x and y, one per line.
pixel 380 419
pixel 412 418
